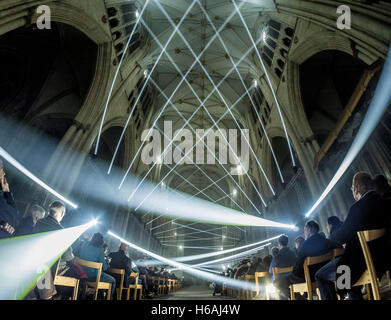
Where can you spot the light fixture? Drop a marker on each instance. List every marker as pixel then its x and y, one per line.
pixel 235 192
pixel 145 73
pixel 137 14
pixel 264 35
pixel 180 247
pixel 255 83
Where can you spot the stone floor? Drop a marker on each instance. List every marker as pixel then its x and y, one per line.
pixel 201 292
pixel 193 292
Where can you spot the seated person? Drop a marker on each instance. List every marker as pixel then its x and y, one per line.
pixel 27 224
pixel 8 211
pixel 85 237
pixel 242 269
pixel 298 242
pixel 93 251
pixel 333 224
pixel 52 223
pixel 369 212
pixel 256 266
pixel 314 245
pixel 284 258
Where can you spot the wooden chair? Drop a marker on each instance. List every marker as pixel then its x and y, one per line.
pixel 277 271
pixel 66 282
pixel 309 286
pixel 257 276
pixel 136 287
pixel 369 276
pixel 97 284
pixel 120 287
pixel 248 278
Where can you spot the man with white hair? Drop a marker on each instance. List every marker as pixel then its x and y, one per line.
pixel 27 225
pixel 52 223
pixel 8 211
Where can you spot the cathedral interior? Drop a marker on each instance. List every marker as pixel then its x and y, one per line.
pixel 188 127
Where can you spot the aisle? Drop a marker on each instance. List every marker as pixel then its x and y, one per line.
pixel 193 292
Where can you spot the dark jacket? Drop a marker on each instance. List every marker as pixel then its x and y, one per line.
pixel 315 245
pixel 119 260
pixel 51 224
pixel 285 258
pixel 370 212
pixel 26 226
pixel 8 212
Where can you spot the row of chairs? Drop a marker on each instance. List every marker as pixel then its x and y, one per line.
pixel 164 286
pixel 368 279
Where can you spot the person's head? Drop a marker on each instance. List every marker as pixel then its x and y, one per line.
pixel 57 210
pixel 275 251
pixel 333 223
pixel 97 240
pixel 254 259
pixel 37 212
pixel 86 235
pixel 381 185
pixel 123 247
pixel 105 247
pixel 283 241
pixel 362 183
pixel 298 242
pixel 310 228
pixel 259 260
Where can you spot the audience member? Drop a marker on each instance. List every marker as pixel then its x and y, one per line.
pixel 285 257
pixel 382 186
pixel 314 245
pixel 85 237
pixel 52 223
pixel 298 242
pixel 333 224
pixel 8 211
pixel 93 251
pixel 367 213
pixel 27 224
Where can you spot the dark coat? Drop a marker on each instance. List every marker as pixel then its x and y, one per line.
pixel 370 212
pixel 119 260
pixel 8 212
pixel 285 258
pixel 316 245
pixel 50 224
pixel 26 226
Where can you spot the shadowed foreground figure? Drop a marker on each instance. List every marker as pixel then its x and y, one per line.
pixel 368 213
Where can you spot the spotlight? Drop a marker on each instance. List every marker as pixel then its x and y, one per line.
pixel 93 222
pixel 145 73
pixel 255 83
pixel 235 192
pixel 221 248
pixel 264 35
pixel 180 247
pixel 137 14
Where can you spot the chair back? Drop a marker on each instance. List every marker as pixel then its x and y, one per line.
pixel 309 261
pixel 277 270
pixel 365 237
pixel 338 252
pixel 92 265
pixel 136 276
pixel 120 272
